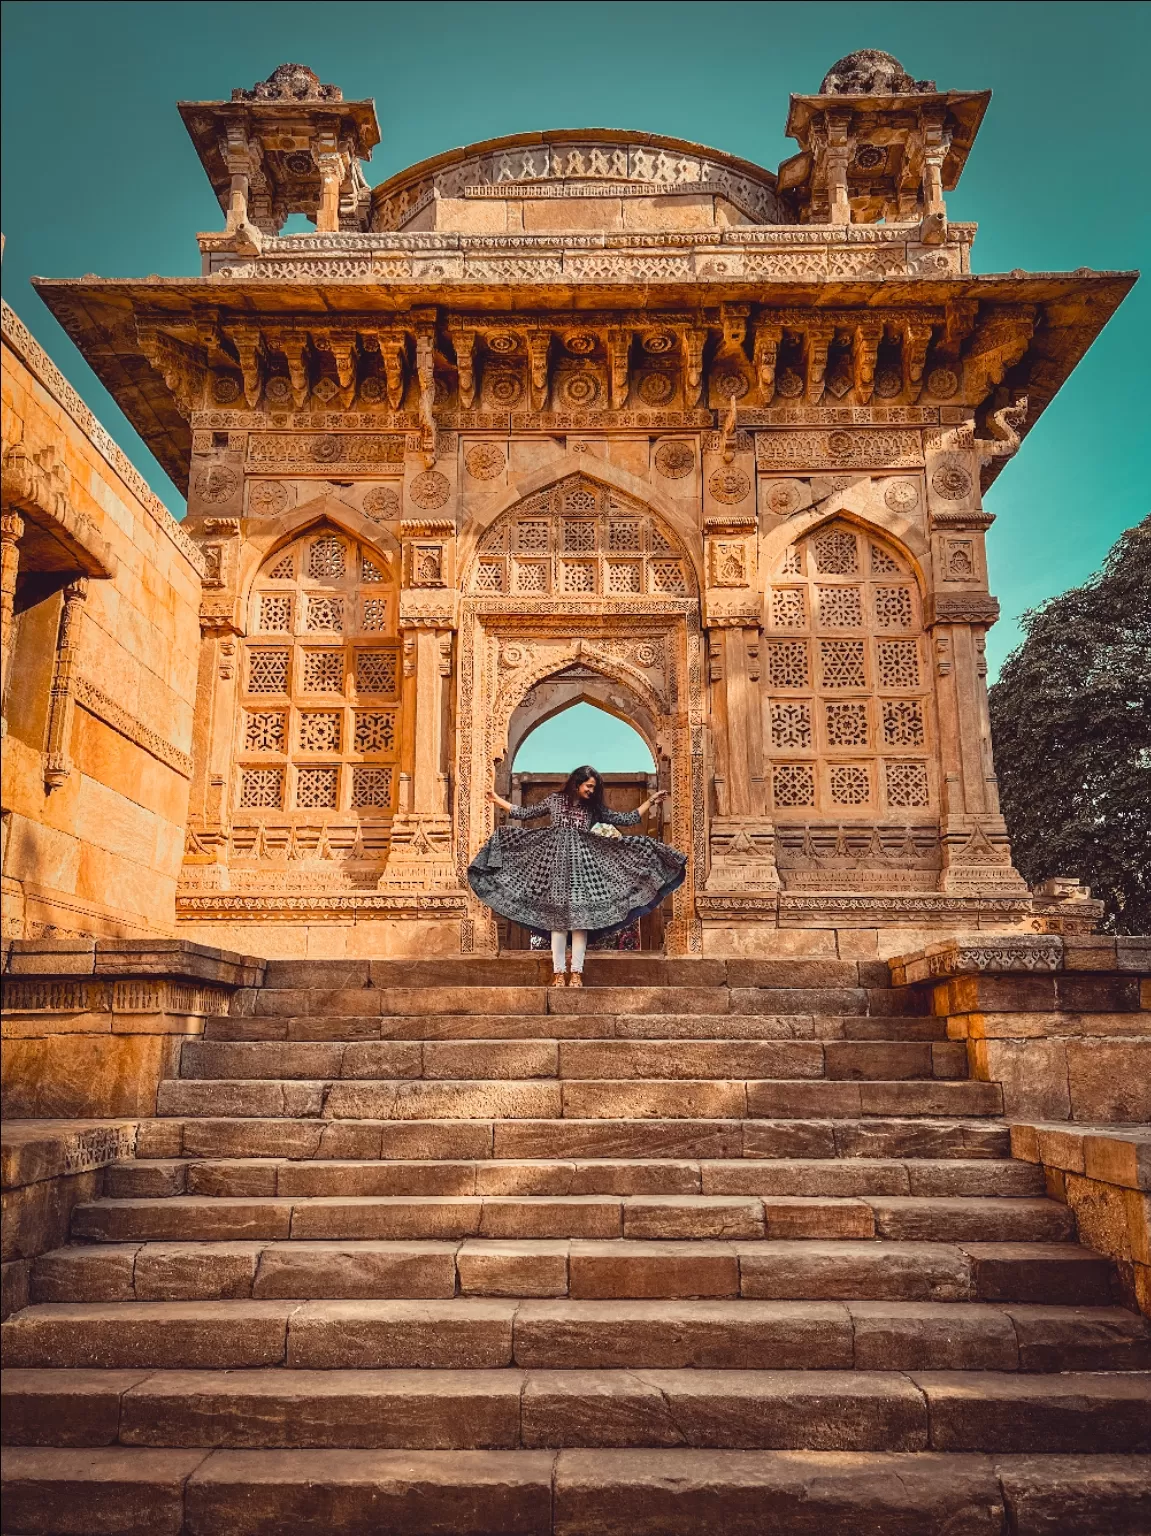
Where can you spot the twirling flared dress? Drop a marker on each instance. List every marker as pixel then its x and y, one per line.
pixel 567 877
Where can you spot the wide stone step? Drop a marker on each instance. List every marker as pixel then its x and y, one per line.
pixel 911 1218
pixel 572 1098
pixel 289 1137
pixel 678 1492
pixel 480 1059
pixel 575 1026
pixel 264 1177
pixel 521 968
pixel 379 1001
pixel 795 1269
pixel 510 1408
pixel 478 1333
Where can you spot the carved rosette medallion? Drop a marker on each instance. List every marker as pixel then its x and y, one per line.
pixel 268 498
pixel 218 483
pixel 902 495
pixel 783 497
pixel 381 503
pixel 656 388
pixel 951 481
pixel 675 459
pixel 729 485
pixel 430 490
pixel 942 382
pixel 485 461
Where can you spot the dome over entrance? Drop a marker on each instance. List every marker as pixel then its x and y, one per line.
pixel 594 178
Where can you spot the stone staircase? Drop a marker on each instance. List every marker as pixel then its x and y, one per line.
pixel 424 1246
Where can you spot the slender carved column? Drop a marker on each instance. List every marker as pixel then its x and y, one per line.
pixel 62 702
pixel 11 532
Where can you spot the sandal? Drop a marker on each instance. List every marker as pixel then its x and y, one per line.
pixel 559 979
pixel 576 979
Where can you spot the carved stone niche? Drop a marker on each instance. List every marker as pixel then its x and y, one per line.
pixel 731 557
pixel 742 850
pixel 428 554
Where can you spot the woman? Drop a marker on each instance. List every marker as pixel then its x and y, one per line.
pixel 579 874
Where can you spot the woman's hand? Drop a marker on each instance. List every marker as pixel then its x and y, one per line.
pixel 653 799
pixel 494 799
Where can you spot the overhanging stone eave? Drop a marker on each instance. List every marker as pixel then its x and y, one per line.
pixel 1074 307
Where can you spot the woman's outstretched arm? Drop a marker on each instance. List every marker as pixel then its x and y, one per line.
pixel 520 812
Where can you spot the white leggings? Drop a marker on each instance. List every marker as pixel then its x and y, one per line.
pixel 559 949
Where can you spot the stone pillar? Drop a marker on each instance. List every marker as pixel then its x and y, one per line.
pixel 11 532
pixel 62 702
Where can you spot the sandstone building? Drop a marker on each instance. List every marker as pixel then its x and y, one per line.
pixel 319 1209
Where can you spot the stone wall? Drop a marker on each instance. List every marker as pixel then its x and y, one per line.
pixel 1062 1023
pixel 92 1027
pixel 99 721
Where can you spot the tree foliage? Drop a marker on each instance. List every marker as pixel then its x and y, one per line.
pixel 1071 719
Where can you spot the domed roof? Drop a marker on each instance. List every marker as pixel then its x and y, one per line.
pixel 575 164
pixel 871 72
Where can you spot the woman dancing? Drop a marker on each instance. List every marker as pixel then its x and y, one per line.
pixel 580 875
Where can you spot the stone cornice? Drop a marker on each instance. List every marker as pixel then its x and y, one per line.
pixel 17 335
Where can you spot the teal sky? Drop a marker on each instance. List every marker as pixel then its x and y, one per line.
pixel 100 176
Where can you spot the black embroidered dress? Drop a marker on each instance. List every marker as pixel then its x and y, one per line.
pixel 567 877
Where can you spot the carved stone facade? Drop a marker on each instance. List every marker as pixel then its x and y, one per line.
pixel 595 416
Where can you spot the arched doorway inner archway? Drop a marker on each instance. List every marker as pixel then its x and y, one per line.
pixel 626 788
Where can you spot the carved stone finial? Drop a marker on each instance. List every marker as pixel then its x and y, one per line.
pixel 870 72
pixel 290 82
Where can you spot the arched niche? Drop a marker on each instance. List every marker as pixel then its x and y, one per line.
pixel 577 684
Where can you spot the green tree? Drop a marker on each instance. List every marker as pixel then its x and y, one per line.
pixel 1071 719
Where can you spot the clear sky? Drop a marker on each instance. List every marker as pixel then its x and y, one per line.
pixel 99 174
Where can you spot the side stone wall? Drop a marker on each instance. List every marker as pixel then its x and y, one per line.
pixel 94 846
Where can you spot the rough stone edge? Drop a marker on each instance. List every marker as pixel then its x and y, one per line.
pixel 50 378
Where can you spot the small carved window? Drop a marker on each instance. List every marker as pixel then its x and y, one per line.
pixel 579 537
pixel 903 723
pixel 898 663
pixel 787 608
pixel 325 614
pixel 490 576
pixel 836 553
pixel 841 664
pixel 578 576
pixel 791 724
pixel 266 730
pixel 840 607
pixel 846 722
pixel 793 784
pixel 657 541
pixel 338 622
pixel 372 787
pixel 623 537
pixel 531 576
pixel 320 730
pixel 787 664
pixel 326 557
pixel 792 562
pixel 850 784
pixel 317 788
pixel 261 788
pixel 375 613
pixel 580 500
pixel 624 576
pixel 377 671
pixel 532 537
pixel 375 730
pixel 275 613
pixel 907 785
pixel 268 671
pixel 882 563
pixel 893 608
pixel 323 672
pixel 667 576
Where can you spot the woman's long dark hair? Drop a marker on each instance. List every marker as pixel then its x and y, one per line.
pixel 580 776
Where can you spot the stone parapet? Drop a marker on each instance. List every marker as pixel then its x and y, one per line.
pixel 92 1026
pixel 48 1167
pixel 1103 1172
pixel 1061 1022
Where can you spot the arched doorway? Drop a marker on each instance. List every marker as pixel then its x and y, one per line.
pixel 582 594
pixel 542 752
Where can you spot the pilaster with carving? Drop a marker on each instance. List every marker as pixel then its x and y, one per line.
pixel 61 698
